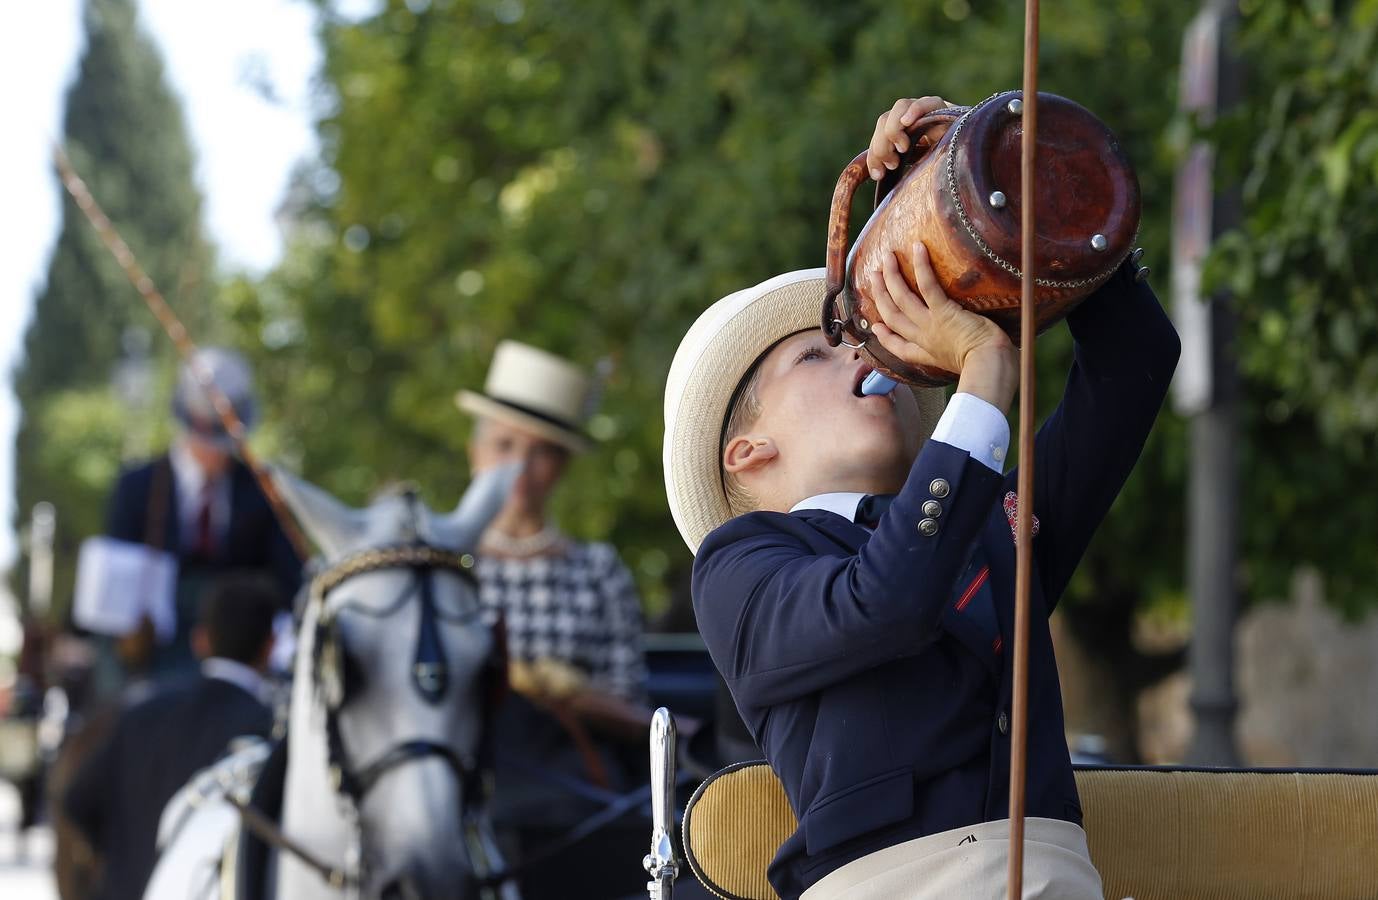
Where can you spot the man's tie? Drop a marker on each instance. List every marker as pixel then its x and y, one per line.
pixel 871 508
pixel 205 531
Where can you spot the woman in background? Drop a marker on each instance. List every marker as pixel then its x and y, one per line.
pixel 573 625
pixel 570 607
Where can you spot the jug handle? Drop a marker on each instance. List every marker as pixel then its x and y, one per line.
pixel 839 217
pixel 838 220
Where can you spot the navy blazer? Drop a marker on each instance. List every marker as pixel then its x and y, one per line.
pixel 117 796
pixel 871 668
pixel 253 540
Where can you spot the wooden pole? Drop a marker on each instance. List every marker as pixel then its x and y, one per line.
pixel 186 348
pixel 1019 726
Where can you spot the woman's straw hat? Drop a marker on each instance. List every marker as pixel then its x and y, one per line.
pixel 534 390
pixel 710 364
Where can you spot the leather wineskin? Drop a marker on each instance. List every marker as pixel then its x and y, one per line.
pixel 944 194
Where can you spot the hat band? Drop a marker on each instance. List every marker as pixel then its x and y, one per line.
pixel 537 414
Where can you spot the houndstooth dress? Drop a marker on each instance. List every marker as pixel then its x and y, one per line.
pixel 578 606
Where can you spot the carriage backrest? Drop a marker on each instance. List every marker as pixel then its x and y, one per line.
pixel 1174 834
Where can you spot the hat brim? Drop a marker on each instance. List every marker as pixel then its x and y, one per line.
pixel 486 407
pixel 717 353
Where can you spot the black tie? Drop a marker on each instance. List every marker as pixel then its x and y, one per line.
pixel 871 508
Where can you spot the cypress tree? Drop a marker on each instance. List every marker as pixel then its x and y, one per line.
pixel 125 134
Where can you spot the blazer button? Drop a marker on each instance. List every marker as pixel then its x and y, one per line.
pixel 939 488
pixel 932 509
pixel 1003 723
pixel 928 527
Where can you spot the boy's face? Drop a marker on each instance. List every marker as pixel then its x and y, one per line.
pixel 827 433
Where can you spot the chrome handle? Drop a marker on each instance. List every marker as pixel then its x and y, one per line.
pixel 660 863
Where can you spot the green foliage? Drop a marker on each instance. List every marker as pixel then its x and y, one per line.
pixel 125 136
pixel 1305 147
pixel 589 177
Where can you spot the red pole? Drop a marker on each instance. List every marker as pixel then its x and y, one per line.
pixel 1019 727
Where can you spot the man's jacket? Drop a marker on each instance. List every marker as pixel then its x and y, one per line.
pixel 118 794
pixel 143 509
pixel 873 668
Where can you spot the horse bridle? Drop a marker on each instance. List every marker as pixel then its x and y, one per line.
pixel 329 682
pixel 430 673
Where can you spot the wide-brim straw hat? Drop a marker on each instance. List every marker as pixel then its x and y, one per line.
pixel 536 391
pixel 715 355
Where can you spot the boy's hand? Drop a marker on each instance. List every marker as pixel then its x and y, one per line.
pixel 931 329
pixel 891 138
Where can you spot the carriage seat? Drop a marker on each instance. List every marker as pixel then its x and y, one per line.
pixel 1155 833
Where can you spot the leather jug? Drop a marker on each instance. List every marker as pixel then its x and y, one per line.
pixel 958 191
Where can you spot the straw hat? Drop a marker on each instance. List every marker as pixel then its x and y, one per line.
pixel 711 362
pixel 535 390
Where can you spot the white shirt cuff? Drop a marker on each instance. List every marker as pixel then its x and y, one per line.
pixel 971 424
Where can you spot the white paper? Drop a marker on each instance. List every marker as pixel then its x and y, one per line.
pixel 118 583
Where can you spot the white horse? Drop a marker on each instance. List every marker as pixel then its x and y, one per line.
pixel 380 792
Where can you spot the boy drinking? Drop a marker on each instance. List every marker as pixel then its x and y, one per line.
pixel 854 569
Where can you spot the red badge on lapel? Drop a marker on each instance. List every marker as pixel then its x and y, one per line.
pixel 1012 513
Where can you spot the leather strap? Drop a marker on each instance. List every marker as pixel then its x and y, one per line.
pixel 833 321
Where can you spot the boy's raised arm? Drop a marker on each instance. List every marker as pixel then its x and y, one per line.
pixel 1125 353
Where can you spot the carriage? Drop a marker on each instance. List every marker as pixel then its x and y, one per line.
pixel 1155 832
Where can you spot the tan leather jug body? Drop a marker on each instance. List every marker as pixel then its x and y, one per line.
pixel 958 191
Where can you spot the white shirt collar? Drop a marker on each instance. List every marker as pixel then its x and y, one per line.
pixel 844 503
pixel 237 674
pixel 191 478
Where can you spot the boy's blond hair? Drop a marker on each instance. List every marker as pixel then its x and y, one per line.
pixel 744 412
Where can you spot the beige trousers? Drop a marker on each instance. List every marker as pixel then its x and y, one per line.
pixel 971 862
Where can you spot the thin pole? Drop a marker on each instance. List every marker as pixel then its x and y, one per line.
pixel 1019 725
pixel 186 348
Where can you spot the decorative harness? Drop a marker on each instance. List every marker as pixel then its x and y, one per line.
pixel 331 682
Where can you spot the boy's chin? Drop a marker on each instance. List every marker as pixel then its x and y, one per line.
pixel 877 452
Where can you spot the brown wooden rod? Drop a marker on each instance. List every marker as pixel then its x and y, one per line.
pixel 186 348
pixel 1019 726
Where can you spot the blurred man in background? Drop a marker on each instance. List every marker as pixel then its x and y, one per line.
pixel 156 745
pixel 200 503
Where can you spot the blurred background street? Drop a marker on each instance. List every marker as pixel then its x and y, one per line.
pixel 25 863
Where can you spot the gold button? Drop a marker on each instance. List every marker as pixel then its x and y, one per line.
pixel 928 527
pixel 939 488
pixel 932 508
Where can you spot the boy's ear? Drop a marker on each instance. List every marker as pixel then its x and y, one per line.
pixel 747 453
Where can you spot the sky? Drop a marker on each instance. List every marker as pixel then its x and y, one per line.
pixel 216 56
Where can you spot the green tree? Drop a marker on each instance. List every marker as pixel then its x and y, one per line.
pixel 124 133
pixel 590 176
pixel 1304 145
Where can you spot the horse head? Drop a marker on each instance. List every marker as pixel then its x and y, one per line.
pixel 395 672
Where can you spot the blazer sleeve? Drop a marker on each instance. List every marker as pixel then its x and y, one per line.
pixel 1125 353
pixel 782 621
pixel 622 667
pixel 263 541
